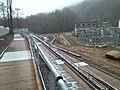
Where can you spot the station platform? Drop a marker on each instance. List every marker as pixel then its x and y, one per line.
pixel 17 71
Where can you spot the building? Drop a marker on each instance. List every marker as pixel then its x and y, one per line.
pixel 97 34
pixel 82 26
pixel 18 30
pixel 119 24
pixel 3 31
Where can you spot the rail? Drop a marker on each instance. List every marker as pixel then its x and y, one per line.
pixel 2 53
pixel 55 79
pixel 91 79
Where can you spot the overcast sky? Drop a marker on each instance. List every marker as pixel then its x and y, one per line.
pixel 29 7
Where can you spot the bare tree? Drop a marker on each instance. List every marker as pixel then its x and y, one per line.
pixel 11 24
pixel 2 9
pixel 8 15
pixel 17 11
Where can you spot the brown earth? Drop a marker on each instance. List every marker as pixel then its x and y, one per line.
pixel 97 57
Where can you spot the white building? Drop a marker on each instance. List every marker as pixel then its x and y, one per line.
pixel 119 24
pixel 3 31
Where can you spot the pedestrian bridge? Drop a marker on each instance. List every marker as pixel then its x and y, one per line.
pixel 17 68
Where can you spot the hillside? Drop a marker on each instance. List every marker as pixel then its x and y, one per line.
pixel 63 20
pixel 106 10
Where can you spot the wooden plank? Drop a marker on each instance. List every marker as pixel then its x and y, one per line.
pixel 17 75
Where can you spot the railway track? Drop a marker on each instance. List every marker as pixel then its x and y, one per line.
pixel 92 79
pixel 70 81
pixel 89 77
pixel 109 66
pixel 79 58
pixel 76 58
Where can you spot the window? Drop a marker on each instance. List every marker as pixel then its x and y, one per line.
pixel 83 25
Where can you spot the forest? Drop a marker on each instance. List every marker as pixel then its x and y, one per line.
pixel 63 20
pixel 105 10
